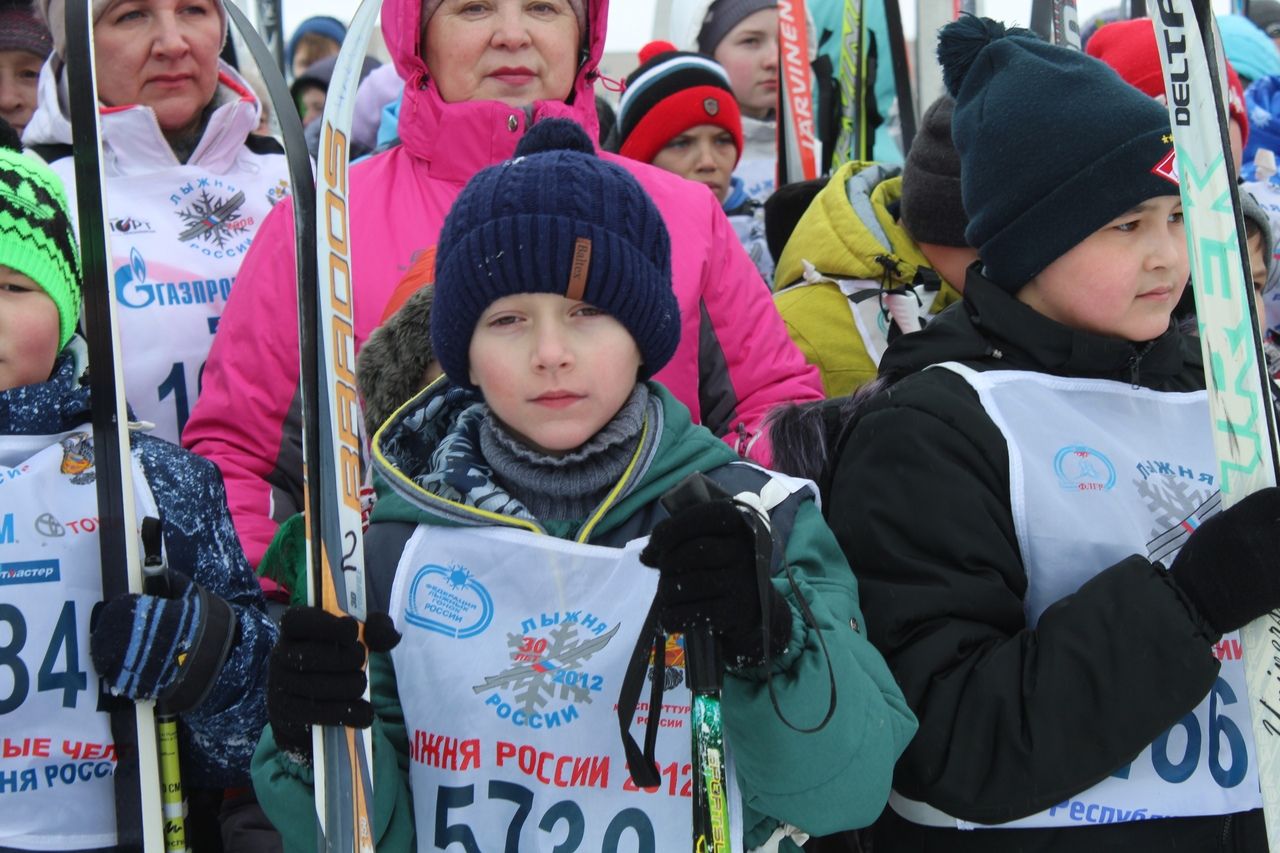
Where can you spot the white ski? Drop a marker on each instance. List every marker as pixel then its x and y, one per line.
pixel 1235 370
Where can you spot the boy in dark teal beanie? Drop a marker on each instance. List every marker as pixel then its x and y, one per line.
pixel 1051 148
pixel 534 470
pixel 1064 618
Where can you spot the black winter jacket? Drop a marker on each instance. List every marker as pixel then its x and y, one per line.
pixel 1013 720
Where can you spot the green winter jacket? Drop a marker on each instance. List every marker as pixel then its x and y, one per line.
pixel 832 780
pixel 850 231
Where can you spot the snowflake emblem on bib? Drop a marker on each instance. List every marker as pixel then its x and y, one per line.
pixel 549 673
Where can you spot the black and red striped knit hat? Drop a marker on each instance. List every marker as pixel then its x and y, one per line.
pixel 669 93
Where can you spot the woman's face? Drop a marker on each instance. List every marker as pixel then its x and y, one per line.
pixel 161 54
pixel 19 72
pixel 514 51
pixel 749 53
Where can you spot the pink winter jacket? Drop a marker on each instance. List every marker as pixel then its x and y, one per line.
pixel 735 361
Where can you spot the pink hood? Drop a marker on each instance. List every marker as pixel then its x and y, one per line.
pixel 734 363
pixel 425 118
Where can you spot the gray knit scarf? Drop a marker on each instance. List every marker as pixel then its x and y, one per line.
pixel 569 486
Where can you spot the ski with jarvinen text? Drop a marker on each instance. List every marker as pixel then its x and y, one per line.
pixel 1240 407
pixel 797 137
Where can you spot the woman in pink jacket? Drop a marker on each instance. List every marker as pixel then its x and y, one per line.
pixel 469 96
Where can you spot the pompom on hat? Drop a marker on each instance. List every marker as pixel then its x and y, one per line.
pixel 36 237
pixel 1053 145
pixel 556 219
pixel 671 92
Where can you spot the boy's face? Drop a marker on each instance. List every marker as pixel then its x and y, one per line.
pixel 312 48
pixel 28 331
pixel 1258 269
pixel 1123 280
pixel 553 370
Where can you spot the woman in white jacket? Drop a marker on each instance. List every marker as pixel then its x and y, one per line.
pixel 187 184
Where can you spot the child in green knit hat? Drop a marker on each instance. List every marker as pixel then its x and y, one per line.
pixel 39 270
pixel 200 651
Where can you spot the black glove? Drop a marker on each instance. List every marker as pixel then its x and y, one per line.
pixel 1228 566
pixel 316 673
pixel 706 554
pixel 170 648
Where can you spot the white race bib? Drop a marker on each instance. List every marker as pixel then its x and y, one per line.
pixel 57 758
pixel 509 671
pixel 1099 470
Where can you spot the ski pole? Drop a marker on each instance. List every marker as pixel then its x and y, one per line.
pixel 703 664
pixel 156 582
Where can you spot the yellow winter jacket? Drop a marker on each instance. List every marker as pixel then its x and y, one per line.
pixel 847 233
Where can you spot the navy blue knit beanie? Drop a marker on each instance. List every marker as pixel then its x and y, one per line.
pixel 1053 145
pixel 554 219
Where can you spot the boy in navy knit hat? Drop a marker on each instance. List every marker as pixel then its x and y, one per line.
pixel 1065 624
pixel 201 651
pixel 518 517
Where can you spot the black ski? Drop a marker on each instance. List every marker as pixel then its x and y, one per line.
pixel 139 818
pixel 901 74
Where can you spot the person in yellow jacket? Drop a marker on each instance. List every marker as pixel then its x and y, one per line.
pixel 879 251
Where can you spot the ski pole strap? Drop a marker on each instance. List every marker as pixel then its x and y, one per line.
pixel 642 764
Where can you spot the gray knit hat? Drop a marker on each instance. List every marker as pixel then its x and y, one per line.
pixel 932 210
pixel 724 15
pixel 1266 14
pixel 22 29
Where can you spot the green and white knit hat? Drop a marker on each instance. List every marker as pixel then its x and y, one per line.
pixel 36 238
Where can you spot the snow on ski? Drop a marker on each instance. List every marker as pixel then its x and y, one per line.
pixel 331 410
pixel 1235 371
pixel 139 815
pixel 797 140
